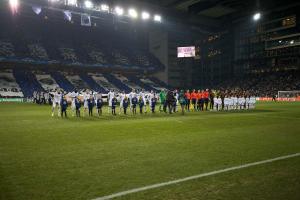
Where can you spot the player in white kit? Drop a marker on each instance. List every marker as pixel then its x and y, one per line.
pixel 73 96
pixel 86 96
pixel 122 96
pixel 142 95
pixel 56 103
pixel 131 95
pixel 110 96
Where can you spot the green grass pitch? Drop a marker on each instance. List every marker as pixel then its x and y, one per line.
pixel 45 158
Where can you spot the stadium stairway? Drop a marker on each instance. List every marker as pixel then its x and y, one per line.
pixel 62 82
pixel 138 82
pixel 27 82
pixel 159 82
pixel 117 82
pixel 93 85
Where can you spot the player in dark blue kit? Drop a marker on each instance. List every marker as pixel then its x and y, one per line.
pixel 153 104
pixel 134 101
pixel 99 104
pixel 125 105
pixel 91 104
pixel 63 106
pixel 141 104
pixel 77 106
pixel 113 105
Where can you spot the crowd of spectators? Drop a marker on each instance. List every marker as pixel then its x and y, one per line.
pixel 263 85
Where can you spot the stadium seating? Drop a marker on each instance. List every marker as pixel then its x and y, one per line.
pixel 155 86
pixel 103 82
pixel 8 85
pixel 117 82
pixel 127 82
pixel 92 83
pixel 141 84
pixel 265 84
pixel 38 51
pixel 46 81
pixel 159 82
pixel 6 49
pixel 109 50
pixel 76 81
pixel 62 82
pixel 27 81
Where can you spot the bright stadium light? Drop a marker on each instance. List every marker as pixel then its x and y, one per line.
pixel 88 4
pixel 292 42
pixel 104 7
pixel 119 11
pixel 256 16
pixel 72 2
pixel 14 5
pixel 132 13
pixel 145 15
pixel 157 18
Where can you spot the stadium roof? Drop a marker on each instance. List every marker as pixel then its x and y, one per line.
pixel 216 8
pixel 210 13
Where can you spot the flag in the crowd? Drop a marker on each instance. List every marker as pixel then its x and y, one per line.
pixel 68 15
pixel 37 9
pixel 85 20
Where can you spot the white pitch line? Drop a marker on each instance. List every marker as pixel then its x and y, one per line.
pixel 149 187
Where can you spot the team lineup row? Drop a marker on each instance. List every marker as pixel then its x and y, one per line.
pixel 169 101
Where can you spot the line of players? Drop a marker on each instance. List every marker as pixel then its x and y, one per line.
pixel 91 100
pixel 218 100
pixel 169 100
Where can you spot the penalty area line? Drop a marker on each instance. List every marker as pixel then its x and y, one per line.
pixel 158 185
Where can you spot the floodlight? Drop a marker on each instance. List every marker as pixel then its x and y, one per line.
pixel 14 5
pixel 88 4
pixel 256 16
pixel 145 15
pixel 104 7
pixel 119 11
pixel 132 13
pixel 72 2
pixel 157 18
pixel 292 42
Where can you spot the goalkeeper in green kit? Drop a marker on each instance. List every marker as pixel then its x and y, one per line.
pixel 162 97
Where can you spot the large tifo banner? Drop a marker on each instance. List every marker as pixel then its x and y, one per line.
pixel 185 52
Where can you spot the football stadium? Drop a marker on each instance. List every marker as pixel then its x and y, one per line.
pixel 149 100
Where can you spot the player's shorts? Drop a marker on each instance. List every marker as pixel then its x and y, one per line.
pixel 55 104
pixel 194 101
pixel 73 106
pixel 206 100
pixel 85 104
pixel 121 104
pixel 110 103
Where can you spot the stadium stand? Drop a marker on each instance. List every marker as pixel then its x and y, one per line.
pixel 6 49
pixel 27 81
pixel 139 83
pixel 152 84
pixel 76 81
pixel 62 82
pixel 8 85
pixel 46 81
pixel 117 82
pixel 127 82
pixel 265 84
pixel 103 82
pixel 92 83
pixel 38 51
